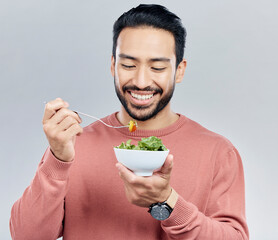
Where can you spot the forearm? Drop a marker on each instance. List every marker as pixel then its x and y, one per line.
pixel 187 222
pixel 39 213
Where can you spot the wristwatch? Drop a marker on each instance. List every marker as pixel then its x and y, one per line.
pixel 160 211
pixel 163 210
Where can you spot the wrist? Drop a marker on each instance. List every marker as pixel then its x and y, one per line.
pixel 172 199
pixel 162 210
pixel 61 158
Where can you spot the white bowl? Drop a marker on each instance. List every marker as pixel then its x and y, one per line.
pixel 141 162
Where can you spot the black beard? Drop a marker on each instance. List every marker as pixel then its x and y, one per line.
pixel 161 104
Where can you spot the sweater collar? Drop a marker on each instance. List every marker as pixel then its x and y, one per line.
pixel 112 119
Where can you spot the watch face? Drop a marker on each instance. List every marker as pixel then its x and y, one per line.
pixel 160 212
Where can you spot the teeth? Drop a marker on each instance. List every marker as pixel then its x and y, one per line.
pixel 141 97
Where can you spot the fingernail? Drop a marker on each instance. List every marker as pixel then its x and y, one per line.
pixel 79 118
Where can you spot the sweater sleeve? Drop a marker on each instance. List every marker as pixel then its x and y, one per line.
pixel 39 213
pixel 224 217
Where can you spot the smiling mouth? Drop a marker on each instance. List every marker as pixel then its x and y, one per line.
pixel 141 96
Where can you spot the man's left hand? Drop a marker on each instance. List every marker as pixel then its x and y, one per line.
pixel 144 191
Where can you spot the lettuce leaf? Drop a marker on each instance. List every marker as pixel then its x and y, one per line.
pixel 148 144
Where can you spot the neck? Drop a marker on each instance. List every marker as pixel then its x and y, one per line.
pixel 163 119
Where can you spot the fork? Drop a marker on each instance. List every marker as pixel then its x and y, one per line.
pixel 90 116
pixel 87 115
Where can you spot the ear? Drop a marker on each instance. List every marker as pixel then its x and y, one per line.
pixel 180 71
pixel 112 66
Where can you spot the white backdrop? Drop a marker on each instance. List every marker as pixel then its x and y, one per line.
pixel 62 48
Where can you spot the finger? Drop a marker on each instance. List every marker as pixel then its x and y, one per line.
pixel 78 115
pixel 62 114
pixel 52 106
pixel 66 123
pixel 126 174
pixel 74 130
pixel 168 165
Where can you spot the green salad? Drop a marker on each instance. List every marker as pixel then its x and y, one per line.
pixel 150 144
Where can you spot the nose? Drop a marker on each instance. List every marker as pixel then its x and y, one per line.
pixel 142 78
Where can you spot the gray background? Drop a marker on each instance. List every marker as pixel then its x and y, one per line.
pixel 62 48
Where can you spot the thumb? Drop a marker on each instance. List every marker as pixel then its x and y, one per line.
pixel 167 166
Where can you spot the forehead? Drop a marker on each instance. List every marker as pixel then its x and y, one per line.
pixel 146 42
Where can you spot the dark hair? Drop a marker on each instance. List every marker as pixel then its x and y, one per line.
pixel 156 16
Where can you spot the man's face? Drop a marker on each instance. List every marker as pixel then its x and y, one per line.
pixel 144 70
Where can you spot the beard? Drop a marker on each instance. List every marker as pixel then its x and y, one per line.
pixel 144 113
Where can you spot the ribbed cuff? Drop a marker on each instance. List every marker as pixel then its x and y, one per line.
pixel 181 214
pixel 54 167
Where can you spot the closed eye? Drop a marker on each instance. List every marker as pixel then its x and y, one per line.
pixel 128 66
pixel 158 69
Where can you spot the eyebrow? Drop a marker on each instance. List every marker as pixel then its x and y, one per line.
pixel 122 55
pixel 160 59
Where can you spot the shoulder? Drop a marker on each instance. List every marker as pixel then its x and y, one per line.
pixel 220 150
pixel 204 136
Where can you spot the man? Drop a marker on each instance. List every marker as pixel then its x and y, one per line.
pixel 77 191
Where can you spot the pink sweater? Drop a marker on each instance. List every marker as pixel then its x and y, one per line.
pixel 85 199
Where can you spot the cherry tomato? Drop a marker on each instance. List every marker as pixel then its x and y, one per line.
pixel 132 126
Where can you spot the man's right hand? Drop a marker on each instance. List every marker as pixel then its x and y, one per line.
pixel 61 126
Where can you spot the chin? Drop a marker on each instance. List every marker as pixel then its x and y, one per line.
pixel 142 114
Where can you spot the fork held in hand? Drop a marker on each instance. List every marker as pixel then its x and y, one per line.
pixel 87 115
pixel 132 126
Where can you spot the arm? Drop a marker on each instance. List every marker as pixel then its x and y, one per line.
pixel 39 213
pixel 225 214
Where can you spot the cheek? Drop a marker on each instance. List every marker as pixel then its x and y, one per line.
pixel 122 76
pixel 164 80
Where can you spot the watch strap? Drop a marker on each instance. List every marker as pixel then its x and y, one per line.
pixel 172 199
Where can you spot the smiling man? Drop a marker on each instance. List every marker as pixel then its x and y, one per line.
pixel 145 73
pixel 77 191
